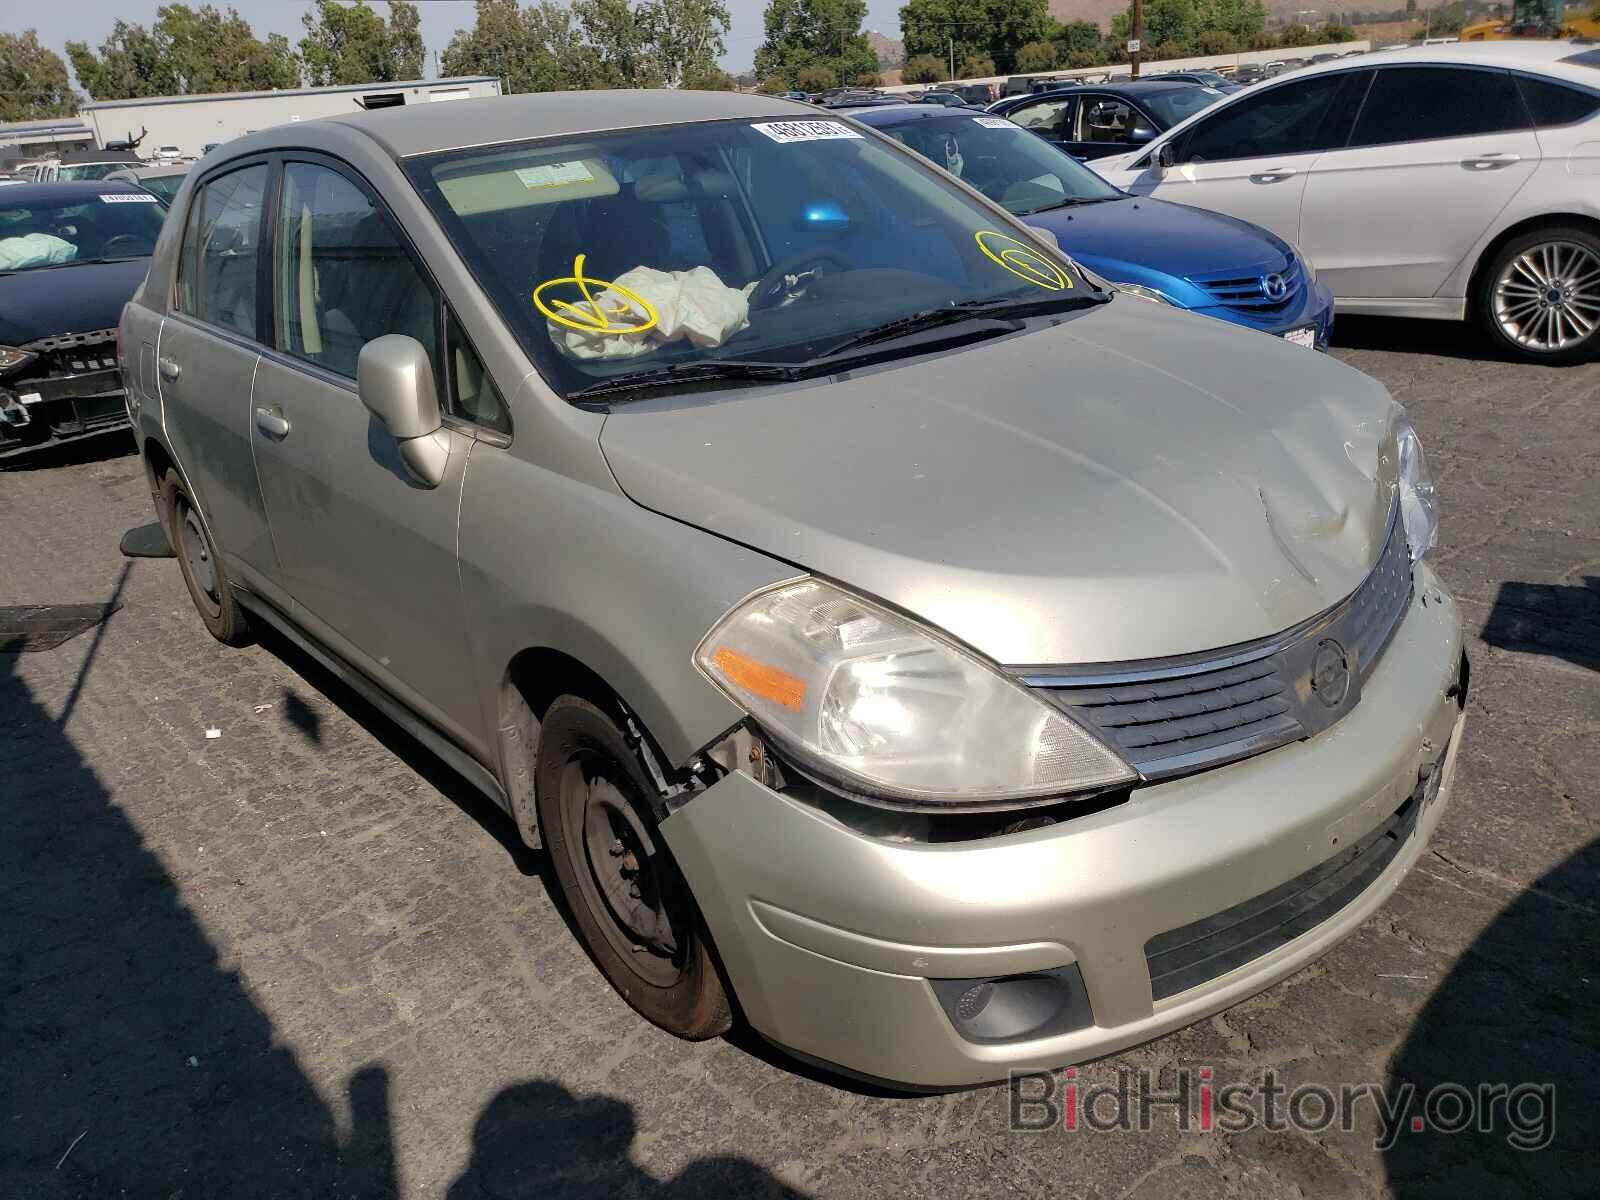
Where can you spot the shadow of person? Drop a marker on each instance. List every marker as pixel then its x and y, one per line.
pixel 1558 619
pixel 1513 1033
pixel 134 1062
pixel 538 1139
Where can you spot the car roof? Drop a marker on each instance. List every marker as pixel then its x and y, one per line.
pixel 65 190
pixel 1528 54
pixel 412 129
pixel 878 115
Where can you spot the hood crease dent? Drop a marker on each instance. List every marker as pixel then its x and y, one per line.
pixel 1135 482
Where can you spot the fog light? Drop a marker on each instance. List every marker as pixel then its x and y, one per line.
pixel 1015 1007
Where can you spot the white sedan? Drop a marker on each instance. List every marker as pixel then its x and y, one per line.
pixel 1441 182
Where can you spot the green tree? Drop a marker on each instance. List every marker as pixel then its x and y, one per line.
pixel 815 78
pixel 689 36
pixel 1078 35
pixel 1037 56
pixel 534 49
pixel 924 68
pixel 186 51
pixel 978 66
pixel 773 85
pixel 353 44
pixel 620 38
pixel 996 29
pixel 816 33
pixel 33 80
pixel 707 79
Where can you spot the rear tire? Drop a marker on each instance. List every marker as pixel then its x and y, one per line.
pixel 203 572
pixel 1539 296
pixel 626 896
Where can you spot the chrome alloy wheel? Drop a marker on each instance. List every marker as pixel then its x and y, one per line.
pixel 1548 297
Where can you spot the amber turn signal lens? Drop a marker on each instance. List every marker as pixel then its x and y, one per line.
pixel 759 679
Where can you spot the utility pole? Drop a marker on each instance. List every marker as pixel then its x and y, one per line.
pixel 1136 37
pixel 953 51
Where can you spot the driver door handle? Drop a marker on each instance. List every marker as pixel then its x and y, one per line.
pixel 1492 161
pixel 271 422
pixel 170 369
pixel 1272 175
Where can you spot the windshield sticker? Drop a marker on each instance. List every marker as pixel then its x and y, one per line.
pixel 637 314
pixel 128 198
pixel 785 132
pixel 1022 260
pixel 995 123
pixel 555 174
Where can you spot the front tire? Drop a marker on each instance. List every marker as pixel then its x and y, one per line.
pixel 627 898
pixel 203 572
pixel 1539 297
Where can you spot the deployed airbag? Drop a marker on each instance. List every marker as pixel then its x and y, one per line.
pixel 644 309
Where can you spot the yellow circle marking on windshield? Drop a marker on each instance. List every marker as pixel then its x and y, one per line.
pixel 591 316
pixel 1022 260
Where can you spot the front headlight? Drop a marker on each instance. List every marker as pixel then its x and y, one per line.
pixel 1418 508
pixel 1146 293
pixel 893 712
pixel 12 359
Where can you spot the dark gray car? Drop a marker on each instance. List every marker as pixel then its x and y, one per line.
pixel 885 630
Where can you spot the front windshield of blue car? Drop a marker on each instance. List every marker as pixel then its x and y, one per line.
pixel 1016 169
pixel 37 234
pixel 1171 107
pixel 762 242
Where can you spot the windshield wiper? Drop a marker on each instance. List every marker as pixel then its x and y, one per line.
pixel 1004 313
pixel 738 370
pixel 1068 202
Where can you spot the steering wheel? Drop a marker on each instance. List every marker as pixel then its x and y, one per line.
pixel 136 243
pixel 770 288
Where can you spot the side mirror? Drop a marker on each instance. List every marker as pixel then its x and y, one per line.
pixel 1165 159
pixel 395 381
pixel 1141 135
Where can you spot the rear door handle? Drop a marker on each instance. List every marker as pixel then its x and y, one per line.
pixel 169 368
pixel 1273 175
pixel 1490 162
pixel 271 422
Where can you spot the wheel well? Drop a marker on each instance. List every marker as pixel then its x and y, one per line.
pixel 534 678
pixel 157 463
pixel 1546 221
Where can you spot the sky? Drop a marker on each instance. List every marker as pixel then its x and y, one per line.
pixel 90 20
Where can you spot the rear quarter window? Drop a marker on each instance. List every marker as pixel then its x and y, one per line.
pixel 1551 103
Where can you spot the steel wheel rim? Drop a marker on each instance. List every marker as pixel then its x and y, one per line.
pixel 1547 299
pixel 623 873
pixel 197 554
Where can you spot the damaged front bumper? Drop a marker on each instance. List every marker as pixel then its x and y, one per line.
pixel 944 965
pixel 68 393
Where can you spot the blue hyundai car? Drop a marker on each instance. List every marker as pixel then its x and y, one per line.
pixel 1169 253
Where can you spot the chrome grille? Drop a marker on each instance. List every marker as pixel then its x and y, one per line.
pixel 1249 291
pixel 1174 716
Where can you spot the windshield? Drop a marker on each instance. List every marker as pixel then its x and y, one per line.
pixel 1018 170
pixel 86 228
pixel 165 186
pixel 767 242
pixel 91 170
pixel 1171 107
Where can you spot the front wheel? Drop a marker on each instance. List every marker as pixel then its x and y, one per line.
pixel 625 893
pixel 1539 298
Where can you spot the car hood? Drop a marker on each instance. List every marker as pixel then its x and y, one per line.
pixel 1127 238
pixel 1134 482
pixel 47 301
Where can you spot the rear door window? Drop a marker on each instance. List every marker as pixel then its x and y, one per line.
pixel 217 270
pixel 1291 118
pixel 1423 104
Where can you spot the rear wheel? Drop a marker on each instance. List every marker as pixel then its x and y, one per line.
pixel 627 898
pixel 1540 295
pixel 203 572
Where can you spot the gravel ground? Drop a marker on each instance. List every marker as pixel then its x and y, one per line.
pixel 305 958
